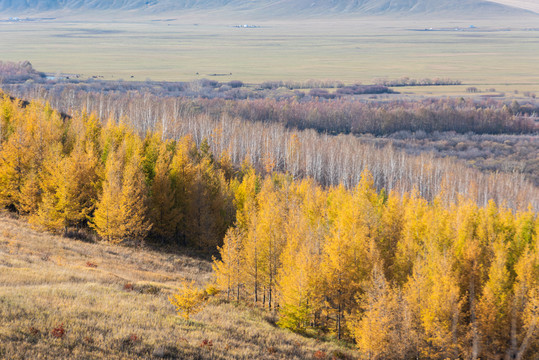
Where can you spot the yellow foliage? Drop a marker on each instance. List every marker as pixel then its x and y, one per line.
pixel 107 217
pixel 164 215
pixel 403 277
pixel 382 327
pixel 188 300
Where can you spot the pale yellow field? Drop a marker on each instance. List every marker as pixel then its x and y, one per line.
pixel 496 54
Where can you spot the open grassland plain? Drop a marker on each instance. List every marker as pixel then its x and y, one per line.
pixel 66 299
pixel 499 54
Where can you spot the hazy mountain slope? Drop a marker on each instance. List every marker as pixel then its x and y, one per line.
pixel 271 8
pixel 532 5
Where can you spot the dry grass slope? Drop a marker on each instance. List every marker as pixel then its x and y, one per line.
pixel 67 299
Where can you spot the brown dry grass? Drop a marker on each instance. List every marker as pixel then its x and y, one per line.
pixel 47 280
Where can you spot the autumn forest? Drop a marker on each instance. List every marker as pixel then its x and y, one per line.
pixel 403 256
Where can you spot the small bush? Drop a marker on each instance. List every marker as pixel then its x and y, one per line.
pixel 130 341
pixel 212 290
pixel 321 93
pixel 207 344
pixel 235 84
pixel 129 287
pixel 188 300
pixel 34 331
pixel 59 331
pixel 149 289
pixel 339 355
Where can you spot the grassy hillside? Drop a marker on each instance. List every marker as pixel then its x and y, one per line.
pixel 112 302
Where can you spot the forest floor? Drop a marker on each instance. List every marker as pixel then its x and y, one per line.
pixel 62 298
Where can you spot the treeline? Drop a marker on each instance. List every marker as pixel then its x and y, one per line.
pixel 74 173
pixel 406 81
pixel 401 277
pixel 330 160
pixel 18 72
pixel 336 116
pixel 488 153
pixel 309 84
pixel 348 91
pixel 382 118
pixel 200 88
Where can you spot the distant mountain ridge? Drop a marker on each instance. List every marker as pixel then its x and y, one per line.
pixel 268 7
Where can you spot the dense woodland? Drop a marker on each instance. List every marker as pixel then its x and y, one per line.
pixel 506 153
pixel 78 173
pixel 399 275
pixel 486 134
pixel 346 115
pixel 334 112
pixel 275 146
